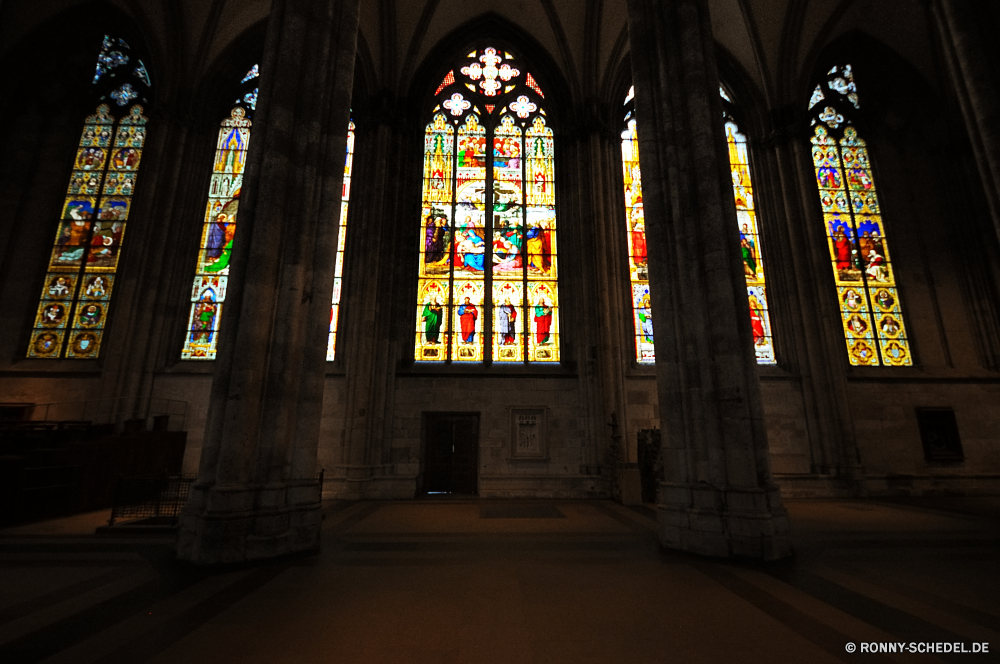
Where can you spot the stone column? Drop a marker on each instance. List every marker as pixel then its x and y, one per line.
pixel 592 159
pixel 256 496
pixel 811 344
pixel 718 498
pixel 974 76
pixel 369 469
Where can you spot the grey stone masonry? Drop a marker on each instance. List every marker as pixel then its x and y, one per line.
pixel 719 497
pixel 256 495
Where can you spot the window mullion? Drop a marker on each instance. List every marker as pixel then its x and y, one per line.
pixel 487 336
pixel 861 259
pixel 453 250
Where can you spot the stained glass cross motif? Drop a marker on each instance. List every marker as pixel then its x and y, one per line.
pixel 868 294
pixel 124 94
pixel 487 289
pixel 523 107
pixel 457 104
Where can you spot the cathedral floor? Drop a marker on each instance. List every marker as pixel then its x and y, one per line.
pixel 483 581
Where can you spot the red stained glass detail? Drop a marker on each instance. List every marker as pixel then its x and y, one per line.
pixel 489 108
pixel 533 85
pixel 448 80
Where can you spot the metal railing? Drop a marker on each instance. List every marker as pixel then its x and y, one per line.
pixel 155 499
pixel 159 499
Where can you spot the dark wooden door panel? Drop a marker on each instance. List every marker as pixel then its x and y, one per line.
pixel 464 466
pixel 451 456
pixel 439 455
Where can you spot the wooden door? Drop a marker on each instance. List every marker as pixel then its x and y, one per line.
pixel 451 457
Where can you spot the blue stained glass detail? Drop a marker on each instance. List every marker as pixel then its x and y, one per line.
pixel 143 75
pixel 124 94
pixel 253 73
pixel 251 99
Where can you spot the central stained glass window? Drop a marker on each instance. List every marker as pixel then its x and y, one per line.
pixel 488 184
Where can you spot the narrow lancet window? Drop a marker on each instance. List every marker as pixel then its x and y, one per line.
pixel 208 292
pixel 338 274
pixel 642 312
pixel 750 243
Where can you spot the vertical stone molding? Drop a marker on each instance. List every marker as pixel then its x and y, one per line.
pixel 786 163
pixel 367 468
pixel 718 497
pixel 256 494
pixel 975 82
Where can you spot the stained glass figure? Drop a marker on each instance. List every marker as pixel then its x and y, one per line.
pixel 475 305
pixel 642 313
pixel 208 292
pixel 338 271
pixel 750 244
pixel 870 310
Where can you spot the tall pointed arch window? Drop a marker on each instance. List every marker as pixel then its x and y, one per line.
pixel 753 268
pixel 870 312
pixel 642 311
pixel 487 283
pixel 208 292
pixel 750 239
pixel 338 276
pixel 76 295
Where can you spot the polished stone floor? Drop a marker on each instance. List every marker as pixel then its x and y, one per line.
pixel 482 581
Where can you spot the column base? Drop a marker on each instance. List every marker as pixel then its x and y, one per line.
pixel 724 522
pixel 224 524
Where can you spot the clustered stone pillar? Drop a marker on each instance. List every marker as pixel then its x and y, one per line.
pixel 718 497
pixel 256 494
pixel 785 160
pixel 975 82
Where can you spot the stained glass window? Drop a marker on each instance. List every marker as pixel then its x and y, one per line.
pixel 870 311
pixel 753 268
pixel 76 294
pixel 642 312
pixel 750 244
pixel 501 305
pixel 218 228
pixel 345 197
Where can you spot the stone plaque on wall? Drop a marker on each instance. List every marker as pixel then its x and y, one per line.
pixel 528 439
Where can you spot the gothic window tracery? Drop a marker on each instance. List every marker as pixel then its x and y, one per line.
pixel 870 311
pixel 75 300
pixel 487 237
